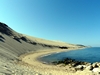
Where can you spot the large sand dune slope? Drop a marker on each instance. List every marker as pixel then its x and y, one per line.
pixel 13 44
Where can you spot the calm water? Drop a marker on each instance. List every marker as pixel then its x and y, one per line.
pixel 88 55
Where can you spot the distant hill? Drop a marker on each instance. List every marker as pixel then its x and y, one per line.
pixel 14 44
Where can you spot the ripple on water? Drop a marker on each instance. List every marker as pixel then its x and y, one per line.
pixel 88 55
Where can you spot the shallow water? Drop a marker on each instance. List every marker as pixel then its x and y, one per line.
pixel 88 55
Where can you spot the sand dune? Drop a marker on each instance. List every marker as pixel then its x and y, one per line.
pixel 13 45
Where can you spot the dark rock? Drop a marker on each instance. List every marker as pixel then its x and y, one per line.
pixel 34 43
pixel 4 29
pixel 89 67
pixel 24 39
pixel 2 40
pixel 63 47
pixel 17 39
pixel 2 37
pixel 95 65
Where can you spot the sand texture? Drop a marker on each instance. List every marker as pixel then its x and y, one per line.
pixel 45 69
pixel 19 53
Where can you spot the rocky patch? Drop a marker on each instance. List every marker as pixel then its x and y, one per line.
pixel 79 65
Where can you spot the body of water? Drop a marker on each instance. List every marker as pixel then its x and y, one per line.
pixel 88 55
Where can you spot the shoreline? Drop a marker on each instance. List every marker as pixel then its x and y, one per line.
pixel 39 58
pixel 31 59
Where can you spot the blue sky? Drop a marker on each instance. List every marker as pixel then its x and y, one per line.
pixel 72 21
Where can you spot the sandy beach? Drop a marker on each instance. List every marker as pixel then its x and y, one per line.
pixel 19 53
pixel 45 69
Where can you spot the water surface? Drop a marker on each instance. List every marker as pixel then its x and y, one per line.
pixel 88 55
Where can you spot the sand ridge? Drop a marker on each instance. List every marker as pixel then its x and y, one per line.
pixel 14 44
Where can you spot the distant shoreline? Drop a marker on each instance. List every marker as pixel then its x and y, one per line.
pixel 46 55
pixel 38 66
